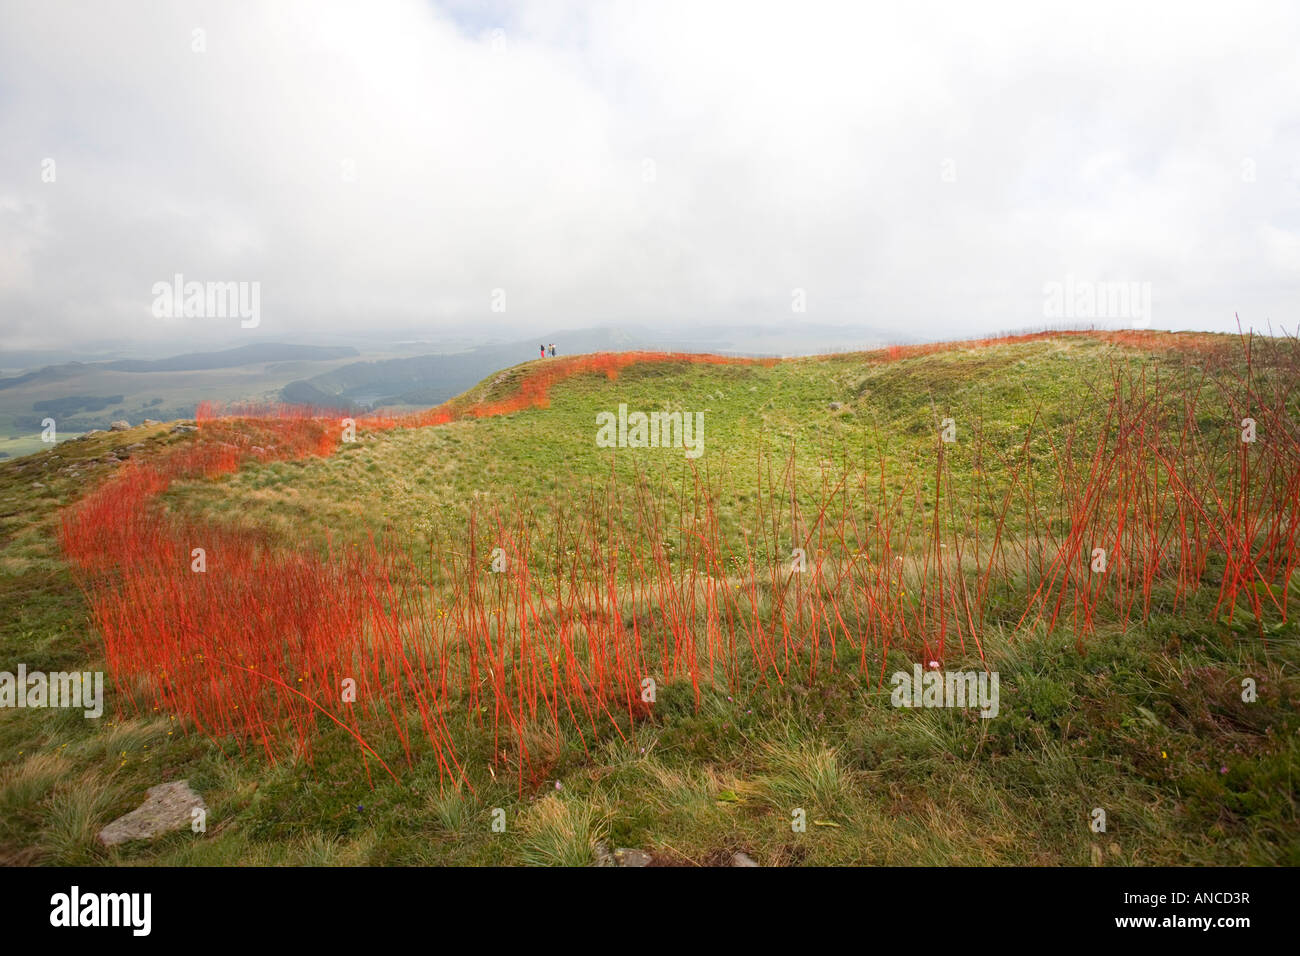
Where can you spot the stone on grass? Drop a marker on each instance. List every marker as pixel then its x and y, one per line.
pixel 167 807
pixel 630 857
pixel 742 859
pixel 120 426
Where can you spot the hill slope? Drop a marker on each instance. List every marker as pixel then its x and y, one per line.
pixel 1132 704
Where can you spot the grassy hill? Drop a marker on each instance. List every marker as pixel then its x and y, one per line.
pixel 1122 693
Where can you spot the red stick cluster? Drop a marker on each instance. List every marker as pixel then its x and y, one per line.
pixel 536 626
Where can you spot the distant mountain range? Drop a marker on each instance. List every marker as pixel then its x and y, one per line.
pixel 430 379
pixel 434 378
pixel 232 358
pixel 192 362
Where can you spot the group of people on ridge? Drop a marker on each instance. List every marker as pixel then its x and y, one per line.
pixel 542 349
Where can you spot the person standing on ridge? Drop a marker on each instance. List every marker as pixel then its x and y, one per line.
pixel 552 351
pixel 542 349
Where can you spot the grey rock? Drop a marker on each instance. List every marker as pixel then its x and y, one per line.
pixel 183 428
pixel 166 808
pixel 150 421
pixel 741 858
pixel 602 856
pixel 626 856
pixel 119 426
pixel 835 406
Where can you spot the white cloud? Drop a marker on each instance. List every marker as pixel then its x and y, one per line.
pixel 393 162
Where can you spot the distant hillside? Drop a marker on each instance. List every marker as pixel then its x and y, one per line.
pixel 232 358
pixel 44 376
pixel 76 403
pixel 85 395
pixel 430 379
pixel 191 362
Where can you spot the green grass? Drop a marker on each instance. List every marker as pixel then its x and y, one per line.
pixel 1148 724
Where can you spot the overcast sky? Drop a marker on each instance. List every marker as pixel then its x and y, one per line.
pixel 922 168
